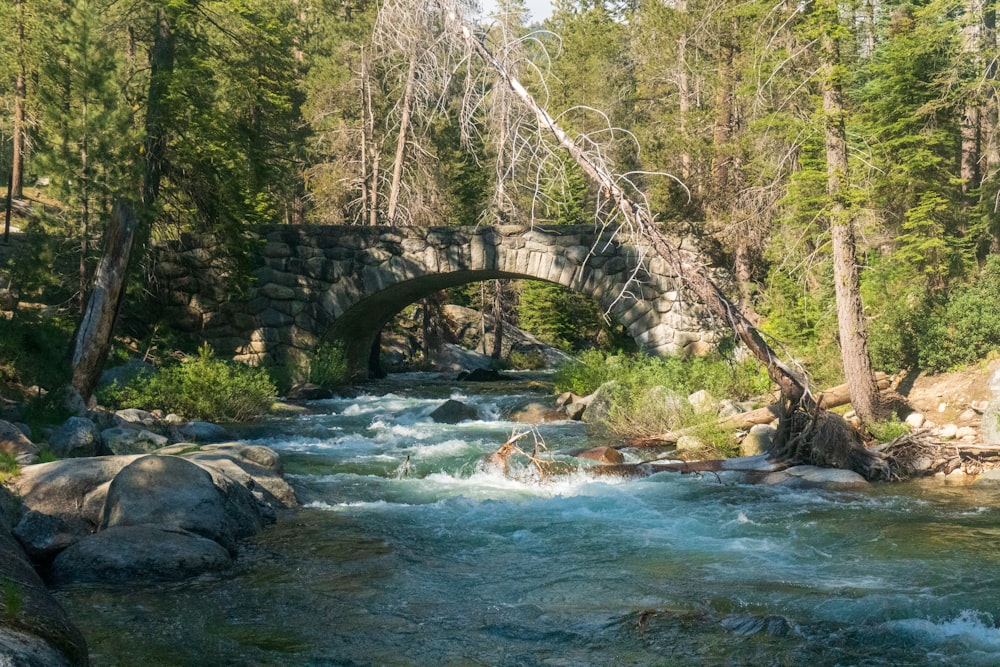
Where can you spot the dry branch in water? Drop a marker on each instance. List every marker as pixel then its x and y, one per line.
pixel 540 459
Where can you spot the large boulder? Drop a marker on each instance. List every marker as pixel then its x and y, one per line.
pixel 139 553
pixel 62 501
pixel 452 412
pixel 991 413
pixel 758 440
pixel 602 455
pixel 76 437
pixel 255 467
pixel 14 443
pixel 137 417
pixel 34 629
pixel 125 440
pixel 173 493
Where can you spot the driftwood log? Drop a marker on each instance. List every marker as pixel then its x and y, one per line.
pixel 94 335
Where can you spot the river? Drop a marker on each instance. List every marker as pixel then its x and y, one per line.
pixel 454 565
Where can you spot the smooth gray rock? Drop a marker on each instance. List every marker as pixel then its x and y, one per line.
pixel 123 440
pixel 815 477
pixel 139 553
pixel 197 431
pixel 136 416
pixel 991 415
pixel 452 412
pixel 58 501
pixel 533 411
pixel 34 629
pixel 174 493
pixel 758 440
pixel 255 467
pixel 14 443
pixel 76 437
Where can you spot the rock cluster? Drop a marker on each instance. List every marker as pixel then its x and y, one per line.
pixel 102 518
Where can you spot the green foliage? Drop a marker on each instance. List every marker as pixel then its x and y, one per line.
pixel 888 430
pixel 567 320
pixel 328 366
pixel 13 598
pixel 532 360
pixel 8 466
pixel 33 349
pixel 200 387
pixel 637 373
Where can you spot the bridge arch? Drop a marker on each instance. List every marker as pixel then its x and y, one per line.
pixel 344 283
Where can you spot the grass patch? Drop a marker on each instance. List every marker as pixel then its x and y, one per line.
pixel 888 430
pixel 8 467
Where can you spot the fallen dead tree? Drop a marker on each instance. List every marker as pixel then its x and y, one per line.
pixel 825 400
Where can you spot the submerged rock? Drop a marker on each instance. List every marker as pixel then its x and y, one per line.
pixel 139 553
pixel 452 412
pixel 532 411
pixel 603 455
pixel 747 624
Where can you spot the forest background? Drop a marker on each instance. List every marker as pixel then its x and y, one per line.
pixel 216 116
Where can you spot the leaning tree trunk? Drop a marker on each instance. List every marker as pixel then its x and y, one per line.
pixel 94 335
pixel 404 128
pixel 850 311
pixel 694 273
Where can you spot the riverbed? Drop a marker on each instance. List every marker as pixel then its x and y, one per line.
pixel 408 551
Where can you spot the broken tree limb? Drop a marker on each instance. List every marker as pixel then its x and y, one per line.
pixel 94 335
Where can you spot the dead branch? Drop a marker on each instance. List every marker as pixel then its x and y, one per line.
pixel 540 457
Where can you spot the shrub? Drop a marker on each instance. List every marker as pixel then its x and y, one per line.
pixel 328 366
pixel 8 466
pixel 200 387
pixel 646 396
pixel 532 360
pixel 888 429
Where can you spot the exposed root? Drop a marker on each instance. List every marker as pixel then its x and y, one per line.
pixel 814 436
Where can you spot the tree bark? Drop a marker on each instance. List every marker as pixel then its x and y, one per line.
pixel 161 59
pixel 20 101
pixel 850 310
pixel 498 319
pixel 94 335
pixel 404 128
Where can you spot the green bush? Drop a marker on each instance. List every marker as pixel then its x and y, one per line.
pixel 200 387
pixel 888 429
pixel 328 366
pixel 720 377
pixel 531 360
pixel 646 396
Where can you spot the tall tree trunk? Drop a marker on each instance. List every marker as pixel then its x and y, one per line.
pixel 969 123
pixel 724 99
pixel 850 311
pixel 372 148
pixel 17 165
pixel 94 335
pixel 161 60
pixel 683 95
pixel 404 128
pixel 498 319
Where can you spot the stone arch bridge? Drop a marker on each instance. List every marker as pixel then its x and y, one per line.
pixel 316 283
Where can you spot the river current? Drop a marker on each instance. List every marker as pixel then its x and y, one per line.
pixel 451 564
